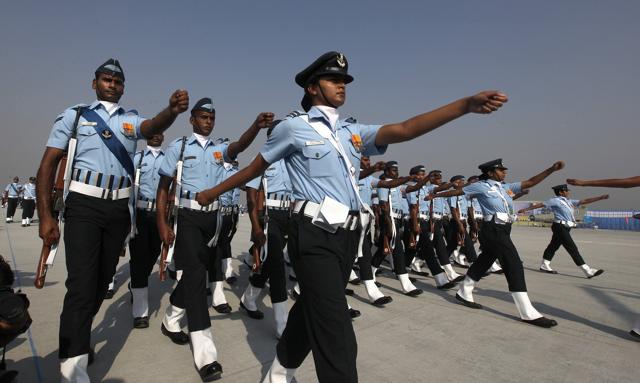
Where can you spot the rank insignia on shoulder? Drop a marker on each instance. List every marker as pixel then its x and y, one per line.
pixel 88 123
pixel 60 117
pixel 217 156
pixel 351 120
pixel 106 134
pixel 293 114
pixel 128 129
pixel 356 140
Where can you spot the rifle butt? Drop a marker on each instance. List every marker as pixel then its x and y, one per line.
pixel 41 272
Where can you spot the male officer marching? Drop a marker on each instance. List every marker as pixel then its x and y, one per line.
pixel 12 195
pixel 320 152
pixel 197 224
pixel 97 216
pixel 144 248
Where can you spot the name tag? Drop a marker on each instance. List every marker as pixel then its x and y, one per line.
pixel 88 123
pixel 314 143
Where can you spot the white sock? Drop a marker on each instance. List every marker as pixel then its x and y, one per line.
pixel 466 289
pixel 250 296
pixel 204 350
pixel 495 267
pixel 524 306
pixel 374 269
pixel 352 276
pixel 278 373
pixel 451 273
pixel 112 285
pixel 588 271
pixel 140 307
pixel 406 284
pixel 217 292
pixel 280 313
pixel 228 268
pixel 172 317
pixel 372 291
pixel 74 369
pixel 441 279
pixel 546 265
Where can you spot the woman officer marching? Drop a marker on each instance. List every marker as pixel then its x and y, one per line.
pixel 322 154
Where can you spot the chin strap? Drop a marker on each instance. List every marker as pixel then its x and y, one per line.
pixel 325 97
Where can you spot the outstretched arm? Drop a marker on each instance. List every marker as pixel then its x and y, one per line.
pixel 388 184
pixel 378 166
pixel 533 181
pixel 178 103
pixel 482 103
pixel 417 185
pixel 519 195
pixel 263 121
pixel 254 169
pixel 449 193
pixel 630 182
pixel 532 207
pixel 587 201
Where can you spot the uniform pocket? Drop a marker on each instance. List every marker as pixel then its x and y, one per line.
pixel 87 139
pixel 318 160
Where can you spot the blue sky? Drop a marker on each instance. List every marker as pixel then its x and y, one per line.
pixel 570 69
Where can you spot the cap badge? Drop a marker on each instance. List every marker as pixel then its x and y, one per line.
pixel 340 60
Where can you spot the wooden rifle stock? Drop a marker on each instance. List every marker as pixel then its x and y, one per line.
pixel 257 263
pixel 57 204
pixel 170 217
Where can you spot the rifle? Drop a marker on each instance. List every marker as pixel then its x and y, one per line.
pixel 61 187
pixel 260 253
pixel 173 205
pixel 432 224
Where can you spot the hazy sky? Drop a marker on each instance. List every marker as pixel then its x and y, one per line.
pixel 570 69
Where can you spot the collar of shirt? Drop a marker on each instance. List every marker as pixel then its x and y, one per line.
pixel 155 150
pixel 110 107
pixel 327 113
pixel 202 140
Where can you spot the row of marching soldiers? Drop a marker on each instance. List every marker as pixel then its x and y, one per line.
pixel 321 207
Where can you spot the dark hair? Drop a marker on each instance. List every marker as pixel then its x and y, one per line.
pixel 305 103
pixel 6 275
pixel 557 191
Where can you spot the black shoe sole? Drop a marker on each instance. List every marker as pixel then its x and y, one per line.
pixel 464 302
pixel 459 278
pixel 253 314
pixel 355 281
pixel 354 313
pixel 348 292
pixel 635 335
pixel 173 336
pixel 599 272
pixel 141 323
pixel 547 271
pixel 413 293
pixel 447 286
pixel 224 308
pixel 380 302
pixel 541 322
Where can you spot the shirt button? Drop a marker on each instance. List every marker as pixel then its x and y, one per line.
pixel 317 155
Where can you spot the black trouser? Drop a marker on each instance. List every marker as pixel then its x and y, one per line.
pixel 399 263
pixel 319 320
pixel 192 255
pixel 273 268
pixel 562 236
pixel 364 262
pixel 144 248
pixel 438 244
pixel 221 250
pixel 94 232
pixel 425 249
pixel 28 208
pixel 409 252
pixel 12 205
pixel 497 243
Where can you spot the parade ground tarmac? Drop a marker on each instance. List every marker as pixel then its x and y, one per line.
pixel 429 338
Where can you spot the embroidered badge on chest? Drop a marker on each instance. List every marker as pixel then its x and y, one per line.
pixel 128 129
pixel 510 193
pixel 217 156
pixel 356 141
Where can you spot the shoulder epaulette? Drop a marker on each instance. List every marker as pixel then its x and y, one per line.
pixel 294 114
pixel 132 112
pixel 351 120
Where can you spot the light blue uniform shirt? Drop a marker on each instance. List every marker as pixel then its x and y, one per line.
pixel 314 166
pixel 459 202
pixel 366 186
pixel 149 177
pixel 278 180
pixel 396 197
pixel 226 199
pixel 203 168
pixel 92 155
pixel 489 192
pixel 439 204
pixel 562 208
pixel 13 190
pixel 29 191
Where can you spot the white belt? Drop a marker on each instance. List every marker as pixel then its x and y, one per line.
pixel 566 223
pixel 501 221
pixel 423 216
pixel 27 198
pixel 98 192
pixel 277 203
pixel 311 210
pixel 226 210
pixel 395 215
pixel 437 216
pixel 477 215
pixel 146 205
pixel 194 205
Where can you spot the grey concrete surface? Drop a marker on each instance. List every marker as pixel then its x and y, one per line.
pixel 428 338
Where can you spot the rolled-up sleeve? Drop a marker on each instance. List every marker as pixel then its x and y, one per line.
pixel 168 166
pixel 368 135
pixel 280 143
